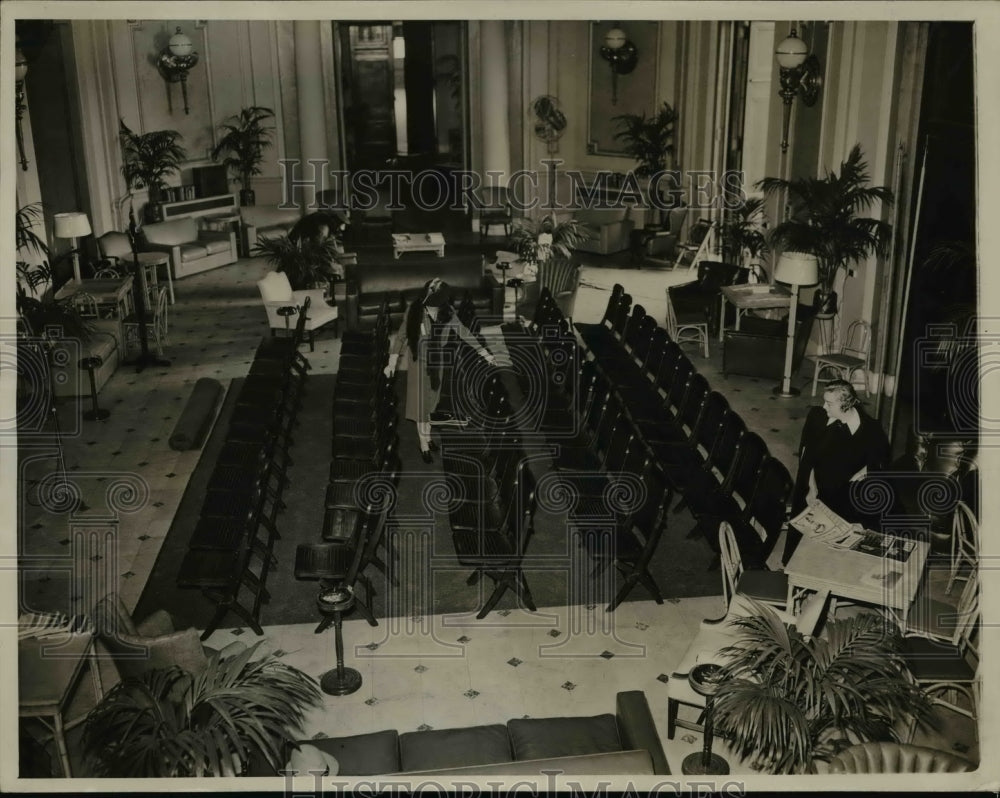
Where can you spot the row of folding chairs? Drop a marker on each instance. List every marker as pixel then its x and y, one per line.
pixel 230 551
pixel 701 447
pixel 364 469
pixel 618 511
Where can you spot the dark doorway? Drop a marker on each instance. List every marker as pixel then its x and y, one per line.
pixel 404 108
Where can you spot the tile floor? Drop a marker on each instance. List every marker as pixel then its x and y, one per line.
pixel 566 661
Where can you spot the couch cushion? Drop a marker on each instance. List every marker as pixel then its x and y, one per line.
pixel 176 231
pixel 191 252
pixel 451 748
pixel 541 738
pixel 363 754
pixel 213 246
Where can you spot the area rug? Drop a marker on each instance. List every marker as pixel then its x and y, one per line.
pixel 423 558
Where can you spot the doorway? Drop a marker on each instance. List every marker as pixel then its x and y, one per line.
pixel 404 106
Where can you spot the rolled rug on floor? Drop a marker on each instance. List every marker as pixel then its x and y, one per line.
pixel 199 414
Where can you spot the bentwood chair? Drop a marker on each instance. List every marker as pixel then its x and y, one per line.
pixel 686 329
pixel 853 355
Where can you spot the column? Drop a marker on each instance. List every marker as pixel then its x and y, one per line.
pixel 311 104
pixel 495 105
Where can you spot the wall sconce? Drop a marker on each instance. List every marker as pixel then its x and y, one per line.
pixel 176 60
pixel 800 74
pixel 20 72
pixel 621 54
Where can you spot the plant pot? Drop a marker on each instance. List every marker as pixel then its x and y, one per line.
pixel 825 302
pixel 247 197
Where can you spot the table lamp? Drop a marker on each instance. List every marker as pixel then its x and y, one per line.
pixel 72 225
pixel 796 269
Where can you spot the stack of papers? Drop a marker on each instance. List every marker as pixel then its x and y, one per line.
pixel 821 523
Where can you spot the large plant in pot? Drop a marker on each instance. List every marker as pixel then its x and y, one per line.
pixel 244 138
pixel 307 261
pixel 826 220
pixel 742 232
pixel 648 139
pixel 787 701
pixel 169 722
pixel 148 159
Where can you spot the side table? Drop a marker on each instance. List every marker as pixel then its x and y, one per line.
pixel 149 263
pixel 704 680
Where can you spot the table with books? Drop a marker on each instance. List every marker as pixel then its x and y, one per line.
pixel 853 563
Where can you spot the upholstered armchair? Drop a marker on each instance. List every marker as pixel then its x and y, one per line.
pixel 562 278
pixel 897 758
pixel 150 644
pixel 278 297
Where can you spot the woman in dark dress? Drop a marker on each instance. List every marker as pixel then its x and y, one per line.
pixel 840 444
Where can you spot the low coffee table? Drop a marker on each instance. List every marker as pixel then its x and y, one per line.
pixel 417 242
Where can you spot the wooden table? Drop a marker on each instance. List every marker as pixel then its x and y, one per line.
pixel 750 297
pixel 417 242
pixel 857 575
pixel 107 293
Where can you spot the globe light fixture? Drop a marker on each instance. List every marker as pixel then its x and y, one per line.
pixel 621 54
pixel 799 74
pixel 176 60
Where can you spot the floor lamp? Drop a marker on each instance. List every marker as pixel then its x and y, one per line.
pixel 796 269
pixel 73 225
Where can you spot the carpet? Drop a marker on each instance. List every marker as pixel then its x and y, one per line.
pixel 431 580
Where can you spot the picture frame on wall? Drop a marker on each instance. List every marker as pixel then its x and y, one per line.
pixel 636 92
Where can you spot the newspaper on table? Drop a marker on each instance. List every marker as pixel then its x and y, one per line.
pixel 821 523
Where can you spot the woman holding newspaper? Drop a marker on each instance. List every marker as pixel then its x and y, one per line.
pixel 840 444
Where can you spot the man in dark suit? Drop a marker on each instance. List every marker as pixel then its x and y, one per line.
pixel 840 445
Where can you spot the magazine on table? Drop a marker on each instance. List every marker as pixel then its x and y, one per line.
pixel 821 523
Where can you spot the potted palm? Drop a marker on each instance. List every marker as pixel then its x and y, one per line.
pixel 539 241
pixel 245 135
pixel 169 722
pixel 148 159
pixel 742 233
pixel 308 261
pixel 788 701
pixel 648 139
pixel 34 298
pixel 825 220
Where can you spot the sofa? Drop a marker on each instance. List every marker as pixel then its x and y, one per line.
pixel 192 250
pixel 623 743
pixel 609 228
pixel 398 281
pixel 757 349
pixel 260 221
pixel 106 341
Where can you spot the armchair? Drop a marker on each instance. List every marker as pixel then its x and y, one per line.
pixel 150 644
pixel 886 757
pixel 276 293
pixel 562 278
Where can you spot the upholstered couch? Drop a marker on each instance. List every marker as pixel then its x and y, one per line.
pixel 261 221
pixel 398 281
pixel 623 743
pixel 609 229
pixel 106 342
pixel 191 249
pixel 757 349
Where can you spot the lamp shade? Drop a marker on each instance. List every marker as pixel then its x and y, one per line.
pixel 71 225
pixel 797 268
pixel 20 66
pixel 791 52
